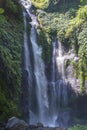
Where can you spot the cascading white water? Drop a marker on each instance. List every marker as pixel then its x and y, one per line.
pixel 27 5
pixel 41 81
pixel 27 63
pixel 53 61
pixel 58 84
pixel 39 69
pixel 27 72
pixel 62 93
pixel 47 111
pixel 60 60
pixel 53 106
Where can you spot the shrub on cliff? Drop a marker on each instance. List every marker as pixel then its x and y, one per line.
pixel 78 127
pixel 41 3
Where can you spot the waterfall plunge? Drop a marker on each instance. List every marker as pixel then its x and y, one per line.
pixel 39 71
pixel 27 63
pixel 48 111
pixel 41 81
pixel 58 85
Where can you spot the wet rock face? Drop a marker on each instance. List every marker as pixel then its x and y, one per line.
pixel 69 72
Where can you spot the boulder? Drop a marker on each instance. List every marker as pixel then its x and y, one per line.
pixel 39 124
pixel 16 124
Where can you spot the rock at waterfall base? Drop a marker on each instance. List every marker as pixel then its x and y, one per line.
pixel 16 124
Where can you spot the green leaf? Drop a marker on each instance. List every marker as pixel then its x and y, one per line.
pixel 1 11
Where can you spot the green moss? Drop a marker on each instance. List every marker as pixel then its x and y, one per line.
pixel 76 69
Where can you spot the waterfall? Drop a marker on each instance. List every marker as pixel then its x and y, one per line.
pixel 59 97
pixel 41 81
pixel 53 106
pixel 27 63
pixel 41 114
pixel 60 60
pixel 27 80
pixel 43 107
pixel 61 83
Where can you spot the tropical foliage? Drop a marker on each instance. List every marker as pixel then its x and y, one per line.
pixel 70 26
pixel 11 34
pixel 78 127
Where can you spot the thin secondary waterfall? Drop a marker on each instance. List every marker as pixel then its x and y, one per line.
pixel 53 106
pixel 58 90
pixel 27 63
pixel 62 87
pixel 39 71
pixel 60 60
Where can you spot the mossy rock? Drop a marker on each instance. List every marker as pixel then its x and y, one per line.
pixel 1 10
pixel 40 3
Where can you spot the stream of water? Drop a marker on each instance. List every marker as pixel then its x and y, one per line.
pixel 47 112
